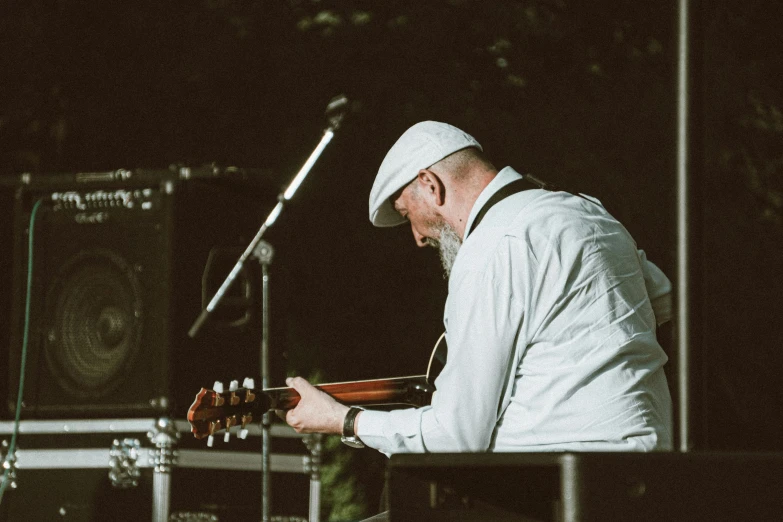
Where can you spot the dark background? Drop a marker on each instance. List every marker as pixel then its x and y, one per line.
pixel 582 94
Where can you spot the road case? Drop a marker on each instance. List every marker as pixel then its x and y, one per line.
pixel 152 469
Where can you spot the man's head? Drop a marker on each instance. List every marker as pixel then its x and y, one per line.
pixel 431 178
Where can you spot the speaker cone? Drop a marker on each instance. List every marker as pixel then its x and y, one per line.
pixel 93 323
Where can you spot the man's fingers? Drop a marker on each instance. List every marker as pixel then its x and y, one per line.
pixel 296 382
pixel 294 421
pixel 300 384
pixel 290 418
pixel 316 412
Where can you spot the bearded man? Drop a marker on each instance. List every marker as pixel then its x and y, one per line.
pixel 550 318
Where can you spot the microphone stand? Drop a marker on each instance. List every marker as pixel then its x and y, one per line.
pixel 264 253
pixel 335 111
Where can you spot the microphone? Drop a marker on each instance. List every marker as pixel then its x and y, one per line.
pixel 335 110
pixel 339 106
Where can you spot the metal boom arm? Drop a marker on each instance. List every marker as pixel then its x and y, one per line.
pixel 335 112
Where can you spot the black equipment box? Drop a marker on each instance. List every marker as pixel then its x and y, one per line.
pixel 586 487
pixel 115 469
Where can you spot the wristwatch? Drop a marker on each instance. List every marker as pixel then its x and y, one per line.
pixel 349 437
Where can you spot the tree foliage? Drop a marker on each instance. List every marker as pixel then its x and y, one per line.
pixel 577 92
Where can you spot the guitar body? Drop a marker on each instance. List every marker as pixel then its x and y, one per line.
pixel 214 411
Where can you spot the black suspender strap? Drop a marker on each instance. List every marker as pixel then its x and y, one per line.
pixel 506 191
pixel 528 181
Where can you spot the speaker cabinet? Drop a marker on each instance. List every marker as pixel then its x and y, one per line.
pixel 586 487
pixel 117 267
pixel 6 241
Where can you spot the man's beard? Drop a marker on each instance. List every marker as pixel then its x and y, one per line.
pixel 448 245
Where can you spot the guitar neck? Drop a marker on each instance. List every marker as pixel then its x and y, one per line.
pixel 212 411
pixel 412 391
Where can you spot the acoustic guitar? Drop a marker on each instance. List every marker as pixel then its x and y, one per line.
pixel 215 410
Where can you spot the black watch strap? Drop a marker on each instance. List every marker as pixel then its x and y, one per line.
pixel 349 423
pixel 349 428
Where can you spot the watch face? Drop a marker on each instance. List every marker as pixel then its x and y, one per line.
pixel 352 442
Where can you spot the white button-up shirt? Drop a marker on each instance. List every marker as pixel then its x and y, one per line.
pixel 551 338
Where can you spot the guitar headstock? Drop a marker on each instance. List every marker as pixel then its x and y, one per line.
pixel 217 410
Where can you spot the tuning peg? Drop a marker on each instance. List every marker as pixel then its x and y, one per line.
pixel 243 434
pixel 218 387
pixel 210 440
pixel 234 386
pixel 227 436
pixel 249 383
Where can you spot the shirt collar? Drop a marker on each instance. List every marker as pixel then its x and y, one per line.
pixel 503 178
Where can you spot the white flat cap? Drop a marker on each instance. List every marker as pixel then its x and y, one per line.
pixel 420 147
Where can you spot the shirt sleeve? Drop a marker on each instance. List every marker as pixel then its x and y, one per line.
pixel 659 289
pixel 482 322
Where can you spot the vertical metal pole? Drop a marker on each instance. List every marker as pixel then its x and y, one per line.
pixel 161 501
pixel 264 253
pixel 164 436
pixel 688 167
pixel 570 505
pixel 314 443
pixel 265 384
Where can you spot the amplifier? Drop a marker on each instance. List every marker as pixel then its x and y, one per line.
pixel 582 487
pixel 121 264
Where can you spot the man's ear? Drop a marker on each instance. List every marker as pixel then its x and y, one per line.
pixel 432 186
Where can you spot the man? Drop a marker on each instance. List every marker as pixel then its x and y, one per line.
pixel 549 320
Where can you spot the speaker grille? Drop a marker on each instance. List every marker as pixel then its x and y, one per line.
pixel 95 316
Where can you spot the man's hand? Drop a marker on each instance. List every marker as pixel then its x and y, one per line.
pixel 316 412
